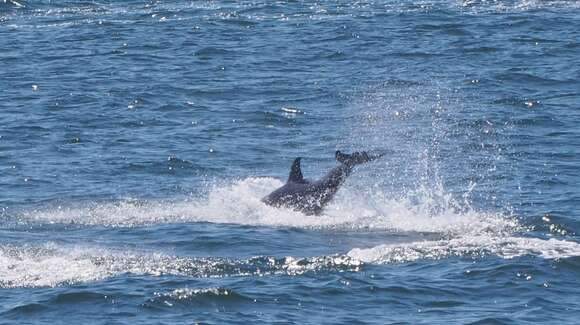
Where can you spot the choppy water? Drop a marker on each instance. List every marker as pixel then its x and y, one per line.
pixel 138 137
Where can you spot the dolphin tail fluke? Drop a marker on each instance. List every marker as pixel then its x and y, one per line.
pixel 356 158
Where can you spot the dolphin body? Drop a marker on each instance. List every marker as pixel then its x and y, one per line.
pixel 310 197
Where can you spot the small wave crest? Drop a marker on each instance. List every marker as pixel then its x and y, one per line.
pixel 467 246
pixel 196 296
pixel 187 293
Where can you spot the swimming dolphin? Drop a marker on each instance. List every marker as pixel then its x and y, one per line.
pixel 310 197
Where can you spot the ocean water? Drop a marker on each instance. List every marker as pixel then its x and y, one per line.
pixel 138 137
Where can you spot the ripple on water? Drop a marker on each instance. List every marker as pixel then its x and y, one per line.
pixel 198 298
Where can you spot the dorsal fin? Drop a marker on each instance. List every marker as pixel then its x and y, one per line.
pixel 296 172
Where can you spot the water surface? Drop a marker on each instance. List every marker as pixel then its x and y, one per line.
pixel 138 137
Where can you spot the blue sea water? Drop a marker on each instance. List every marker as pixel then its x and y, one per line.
pixel 138 137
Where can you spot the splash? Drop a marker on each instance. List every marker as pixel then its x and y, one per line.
pixel 237 203
pixel 462 232
pixel 240 203
pixel 438 150
pixel 458 231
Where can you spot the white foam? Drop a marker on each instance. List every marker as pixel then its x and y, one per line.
pixel 45 266
pixel 51 265
pixel 474 246
pixel 240 203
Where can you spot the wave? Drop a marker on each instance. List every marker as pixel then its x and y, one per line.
pixel 52 265
pixel 468 246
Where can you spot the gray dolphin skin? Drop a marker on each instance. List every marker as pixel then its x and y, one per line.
pixel 310 197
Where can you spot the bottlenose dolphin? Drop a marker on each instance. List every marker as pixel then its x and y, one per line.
pixel 310 197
